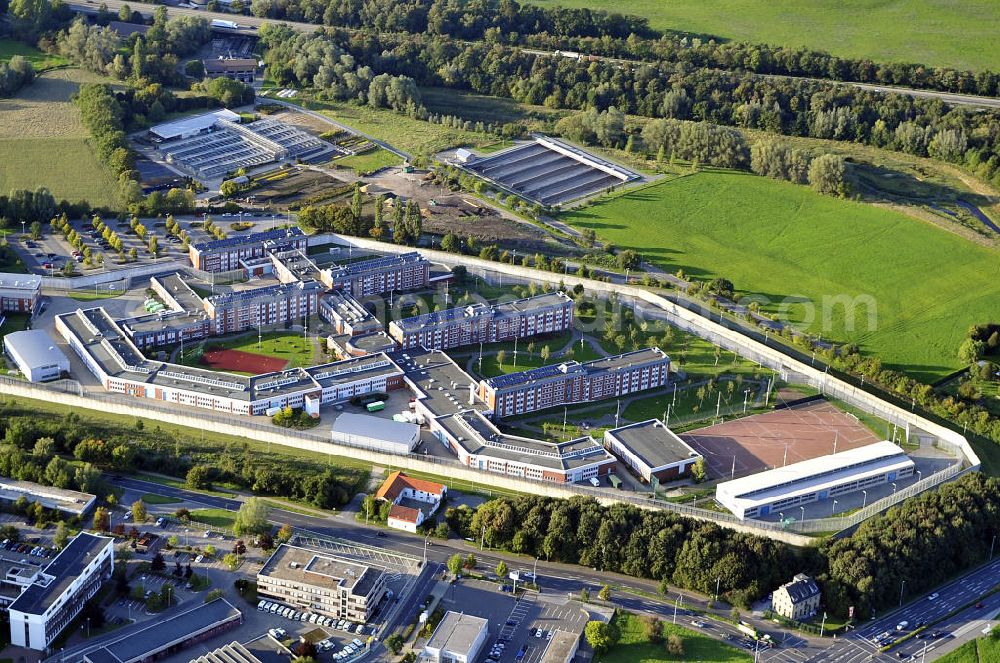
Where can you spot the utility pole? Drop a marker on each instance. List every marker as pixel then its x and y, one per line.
pixel 718 405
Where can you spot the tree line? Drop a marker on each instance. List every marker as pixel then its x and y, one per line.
pixel 610 34
pixel 795 107
pixel 923 542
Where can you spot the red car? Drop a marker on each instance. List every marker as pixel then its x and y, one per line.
pixel 979 606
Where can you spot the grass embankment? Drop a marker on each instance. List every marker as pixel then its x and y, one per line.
pixel 981 650
pixel 913 289
pixel 634 646
pixel 43 142
pixel 957 33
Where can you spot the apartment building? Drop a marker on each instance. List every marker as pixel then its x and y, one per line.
pixel 572 382
pixel 550 313
pixel 405 271
pixel 261 307
pixel 322 583
pixel 224 255
pixel 58 593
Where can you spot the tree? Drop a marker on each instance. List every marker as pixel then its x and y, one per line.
pixel 501 569
pixel 394 643
pixel 455 563
pixel 675 645
pixel 231 561
pixel 251 517
pixel 36 230
pixel 971 350
pixel 470 562
pixel 158 564
pixel 699 471
pixel 601 636
pixel 828 174
pixel 102 519
pixel 628 259
pixel 139 513
pixel 210 550
pixel 285 534
pixel 501 356
pixel 605 593
pixel 450 243
pixel 652 628
pixel 61 536
pixel 585 595
pixel 199 477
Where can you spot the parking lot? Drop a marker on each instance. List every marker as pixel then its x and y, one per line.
pixel 520 628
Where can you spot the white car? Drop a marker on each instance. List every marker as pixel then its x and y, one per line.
pixel 274 608
pixel 277 633
pixel 902 625
pixel 357 643
pixel 260 606
pixel 933 596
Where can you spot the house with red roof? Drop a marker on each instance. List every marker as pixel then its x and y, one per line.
pixel 413 500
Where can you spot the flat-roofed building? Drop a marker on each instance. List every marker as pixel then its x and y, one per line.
pixel 458 638
pixel 398 272
pixel 322 583
pixel 237 69
pixel 157 638
pixel 377 433
pixel 571 382
pixel 650 449
pixel 262 307
pixel 814 480
pixel 344 346
pixel 562 647
pixel 59 592
pixel 69 502
pixel 36 355
pixel 549 313
pixel 190 126
pixel 19 292
pixel 347 315
pixel 223 255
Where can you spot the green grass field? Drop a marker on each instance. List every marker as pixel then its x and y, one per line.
pixel 945 33
pixel 981 650
pixel 404 133
pixel 364 164
pixel 804 254
pixel 635 647
pixel 43 142
pixel 214 517
pixel 39 60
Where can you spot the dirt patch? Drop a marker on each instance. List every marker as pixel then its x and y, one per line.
pixel 298 186
pixel 243 362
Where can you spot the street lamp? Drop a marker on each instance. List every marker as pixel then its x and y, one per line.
pixel 893 487
pixel 901 586
pixel 864 503
pixel 803 512
pixel 834 509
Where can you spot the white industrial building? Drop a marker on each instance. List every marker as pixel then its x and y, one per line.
pixel 59 591
pixel 36 355
pixel 814 480
pixel 651 450
pixel 369 432
pixel 458 638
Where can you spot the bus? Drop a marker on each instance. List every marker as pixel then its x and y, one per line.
pixel 376 406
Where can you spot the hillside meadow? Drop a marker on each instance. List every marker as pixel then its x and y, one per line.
pixel 803 255
pixel 43 142
pixel 938 33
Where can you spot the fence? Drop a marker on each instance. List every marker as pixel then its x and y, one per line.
pixel 110 276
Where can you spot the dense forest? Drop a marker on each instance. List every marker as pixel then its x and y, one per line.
pixel 924 542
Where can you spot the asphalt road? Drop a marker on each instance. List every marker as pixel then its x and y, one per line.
pixel 252 22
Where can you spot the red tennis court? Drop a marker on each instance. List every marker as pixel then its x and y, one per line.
pixel 244 362
pixel 778 438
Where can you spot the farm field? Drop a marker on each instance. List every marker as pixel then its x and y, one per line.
pixel 43 142
pixel 951 33
pixel 407 134
pixel 794 250
pixel 39 60
pixel 634 647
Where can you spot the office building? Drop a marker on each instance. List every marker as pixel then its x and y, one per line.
pixel 798 599
pixel 322 583
pixel 571 382
pixel 458 638
pixel 36 355
pixel 58 593
pixel 550 313
pixel 651 450
pixel 785 489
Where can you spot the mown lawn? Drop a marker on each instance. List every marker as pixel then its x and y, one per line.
pixel 43 142
pixel 214 517
pixel 635 647
pixel 289 346
pixel 39 60
pixel 913 289
pixel 944 33
pixel 364 164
